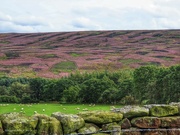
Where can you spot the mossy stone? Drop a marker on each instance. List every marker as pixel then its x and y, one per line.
pixel 69 122
pixel 176 104
pixel 133 111
pixel 163 110
pixel 16 124
pixel 88 128
pixel 146 122
pixel 48 125
pixel 135 132
pixel 156 133
pixel 173 131
pixel 125 123
pixel 109 126
pixel 101 117
pixel 1 129
pixel 170 122
pixel 73 133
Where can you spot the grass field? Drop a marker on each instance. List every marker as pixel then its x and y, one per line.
pixel 49 108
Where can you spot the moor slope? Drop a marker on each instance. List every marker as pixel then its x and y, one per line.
pixel 53 55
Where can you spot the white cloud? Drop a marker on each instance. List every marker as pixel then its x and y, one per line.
pixel 70 15
pixel 83 23
pixel 10 27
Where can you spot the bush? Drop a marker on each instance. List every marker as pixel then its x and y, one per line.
pixel 26 98
pixel 11 54
pixel 9 99
pixel 128 100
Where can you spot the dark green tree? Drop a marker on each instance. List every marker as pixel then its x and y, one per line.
pixel 17 89
pixel 144 76
pixel 37 88
pixel 93 88
pixel 71 94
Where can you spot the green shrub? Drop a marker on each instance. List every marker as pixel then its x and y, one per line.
pixel 128 100
pixel 11 54
pixel 46 56
pixel 9 99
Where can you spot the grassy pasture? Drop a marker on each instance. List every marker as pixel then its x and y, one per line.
pixel 49 108
pixel 64 66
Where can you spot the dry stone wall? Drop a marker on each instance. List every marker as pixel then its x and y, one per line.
pixel 133 120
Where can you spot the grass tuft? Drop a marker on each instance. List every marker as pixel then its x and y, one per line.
pixel 46 56
pixel 129 61
pixel 66 66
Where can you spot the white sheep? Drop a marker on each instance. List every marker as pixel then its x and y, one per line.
pixel 85 109
pixel 35 112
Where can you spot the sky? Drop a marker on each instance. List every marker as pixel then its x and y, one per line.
pixel 32 16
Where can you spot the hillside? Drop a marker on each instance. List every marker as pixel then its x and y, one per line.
pixel 53 55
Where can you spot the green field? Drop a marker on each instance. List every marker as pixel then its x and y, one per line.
pixel 64 66
pixel 28 109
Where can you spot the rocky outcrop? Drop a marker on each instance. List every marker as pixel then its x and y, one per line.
pixel 101 117
pixel 70 122
pixel 17 124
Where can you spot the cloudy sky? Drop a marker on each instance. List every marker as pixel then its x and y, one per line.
pixel 82 15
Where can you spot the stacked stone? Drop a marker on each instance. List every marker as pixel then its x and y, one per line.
pixel 158 119
pixel 134 120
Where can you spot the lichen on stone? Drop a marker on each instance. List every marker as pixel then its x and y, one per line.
pixel 69 122
pixel 163 110
pixel 101 117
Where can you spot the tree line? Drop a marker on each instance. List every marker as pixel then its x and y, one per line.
pixel 146 84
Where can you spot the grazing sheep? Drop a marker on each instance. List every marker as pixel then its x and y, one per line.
pixel 77 108
pixel 85 109
pixel 35 112
pixel 112 108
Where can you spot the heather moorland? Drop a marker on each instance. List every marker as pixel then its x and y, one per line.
pixel 53 55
